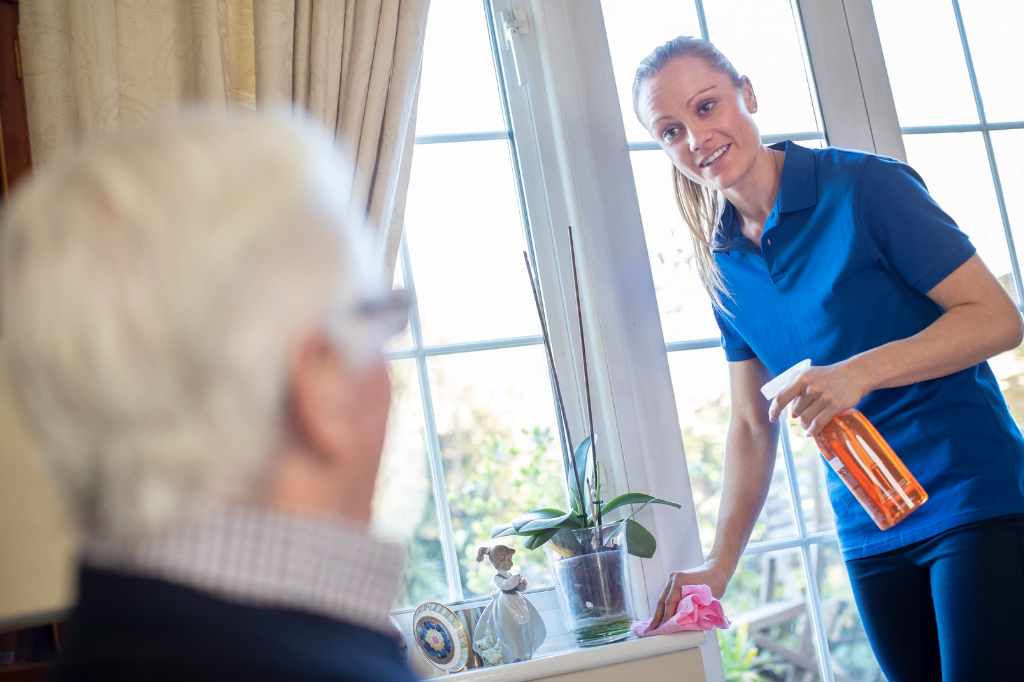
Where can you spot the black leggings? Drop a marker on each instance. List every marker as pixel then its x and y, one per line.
pixel 950 607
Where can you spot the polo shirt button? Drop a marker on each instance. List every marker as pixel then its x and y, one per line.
pixel 769 242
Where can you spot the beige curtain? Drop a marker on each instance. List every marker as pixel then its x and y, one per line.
pixel 355 65
pixel 95 67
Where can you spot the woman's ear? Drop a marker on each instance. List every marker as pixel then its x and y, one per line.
pixel 748 95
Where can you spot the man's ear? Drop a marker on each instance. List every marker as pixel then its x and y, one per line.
pixel 317 388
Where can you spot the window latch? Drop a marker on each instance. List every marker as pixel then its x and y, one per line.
pixel 516 24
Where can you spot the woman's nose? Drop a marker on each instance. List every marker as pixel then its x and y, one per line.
pixel 696 137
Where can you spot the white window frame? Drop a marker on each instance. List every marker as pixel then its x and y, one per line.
pixel 572 155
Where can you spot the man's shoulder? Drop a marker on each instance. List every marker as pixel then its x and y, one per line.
pixel 153 628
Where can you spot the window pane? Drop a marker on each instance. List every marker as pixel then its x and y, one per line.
pixel 812 144
pixel 634 29
pixel 766 602
pixel 458 87
pixel 1009 370
pixel 465 236
pixel 404 500
pixel 851 654
pixel 759 37
pixel 925 62
pixel 684 305
pixel 993 32
pixel 499 446
pixel 700 379
pixel 812 474
pixel 1008 146
pixel 955 168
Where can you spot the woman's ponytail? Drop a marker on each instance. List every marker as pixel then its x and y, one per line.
pixel 701 209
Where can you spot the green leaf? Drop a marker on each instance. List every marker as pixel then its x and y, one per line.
pixel 582 457
pixel 574 499
pixel 639 541
pixel 635 498
pixel 535 541
pixel 502 530
pixel 566 521
pixel 523 519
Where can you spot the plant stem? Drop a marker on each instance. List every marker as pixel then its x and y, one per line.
pixel 586 373
pixel 554 376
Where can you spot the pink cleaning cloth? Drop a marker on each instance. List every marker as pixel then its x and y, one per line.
pixel 697 610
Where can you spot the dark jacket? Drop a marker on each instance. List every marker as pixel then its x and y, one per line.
pixel 128 628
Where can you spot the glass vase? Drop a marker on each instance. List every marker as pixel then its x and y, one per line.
pixel 590 567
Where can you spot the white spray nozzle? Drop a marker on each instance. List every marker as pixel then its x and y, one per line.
pixel 782 382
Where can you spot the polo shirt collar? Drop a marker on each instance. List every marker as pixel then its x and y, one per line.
pixel 798 189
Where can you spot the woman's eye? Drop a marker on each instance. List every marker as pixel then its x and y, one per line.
pixel 706 107
pixel 669 133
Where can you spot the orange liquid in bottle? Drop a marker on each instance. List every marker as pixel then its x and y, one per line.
pixel 870 469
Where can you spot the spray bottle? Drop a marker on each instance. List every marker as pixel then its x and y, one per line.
pixel 863 460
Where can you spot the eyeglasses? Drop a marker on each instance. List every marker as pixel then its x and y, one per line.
pixel 390 311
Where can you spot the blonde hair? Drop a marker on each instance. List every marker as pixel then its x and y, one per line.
pixel 151 289
pixel 701 208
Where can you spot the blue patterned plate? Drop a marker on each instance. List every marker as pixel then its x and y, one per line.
pixel 440 635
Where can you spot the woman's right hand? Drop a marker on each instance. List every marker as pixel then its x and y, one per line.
pixel 708 573
pixel 747 474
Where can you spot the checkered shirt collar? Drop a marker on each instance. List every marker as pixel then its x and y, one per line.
pixel 262 558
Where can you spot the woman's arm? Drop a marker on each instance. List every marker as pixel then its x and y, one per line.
pixel 980 321
pixel 750 446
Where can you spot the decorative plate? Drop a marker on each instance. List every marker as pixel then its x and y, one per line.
pixel 440 636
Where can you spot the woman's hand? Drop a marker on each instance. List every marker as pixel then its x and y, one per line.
pixel 706 574
pixel 821 393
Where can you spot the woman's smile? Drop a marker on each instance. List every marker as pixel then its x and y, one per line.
pixel 715 157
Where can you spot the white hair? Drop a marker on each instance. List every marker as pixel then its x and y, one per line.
pixel 151 290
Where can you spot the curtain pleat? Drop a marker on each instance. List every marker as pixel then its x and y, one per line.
pixel 355 66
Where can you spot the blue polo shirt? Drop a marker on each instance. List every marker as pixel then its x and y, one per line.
pixel 851 247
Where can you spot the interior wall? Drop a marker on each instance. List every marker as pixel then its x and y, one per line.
pixel 37 544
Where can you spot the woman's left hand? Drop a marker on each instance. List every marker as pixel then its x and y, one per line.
pixel 821 393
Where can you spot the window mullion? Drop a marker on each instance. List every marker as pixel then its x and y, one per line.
pixel 701 19
pixel 437 481
pixel 814 610
pixel 989 151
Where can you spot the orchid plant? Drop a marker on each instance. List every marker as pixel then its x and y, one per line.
pixel 587 510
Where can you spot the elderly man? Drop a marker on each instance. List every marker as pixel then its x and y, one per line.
pixel 194 333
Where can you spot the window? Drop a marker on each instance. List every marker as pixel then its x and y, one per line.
pixel 963 128
pixel 518 140
pixel 473 437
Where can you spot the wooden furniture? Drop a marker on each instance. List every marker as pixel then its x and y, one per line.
pixel 35 650
pixel 15 150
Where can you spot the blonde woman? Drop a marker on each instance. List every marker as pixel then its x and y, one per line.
pixel 843 257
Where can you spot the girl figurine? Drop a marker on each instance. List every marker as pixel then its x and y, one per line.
pixel 510 628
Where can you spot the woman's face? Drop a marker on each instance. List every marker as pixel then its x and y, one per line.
pixel 702 121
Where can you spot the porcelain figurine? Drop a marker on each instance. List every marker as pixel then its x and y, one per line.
pixel 510 628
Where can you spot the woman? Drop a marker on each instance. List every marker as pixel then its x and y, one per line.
pixel 844 258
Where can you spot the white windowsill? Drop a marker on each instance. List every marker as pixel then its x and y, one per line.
pixel 576 659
